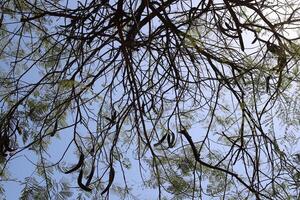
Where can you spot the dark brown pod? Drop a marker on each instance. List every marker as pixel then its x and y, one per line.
pixel 81 185
pixel 78 165
pixel 110 180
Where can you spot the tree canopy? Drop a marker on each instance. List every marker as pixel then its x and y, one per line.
pixel 197 99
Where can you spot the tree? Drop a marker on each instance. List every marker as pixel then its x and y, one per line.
pixel 204 93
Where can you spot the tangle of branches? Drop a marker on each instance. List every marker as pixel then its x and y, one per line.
pixel 199 97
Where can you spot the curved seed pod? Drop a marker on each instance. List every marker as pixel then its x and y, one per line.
pixel 230 27
pixel 1 19
pixel 114 116
pixel 90 176
pixel 161 140
pixel 6 144
pixel 81 185
pixel 255 39
pixel 54 129
pixel 110 180
pixel 78 165
pixel 268 83
pixel 171 139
